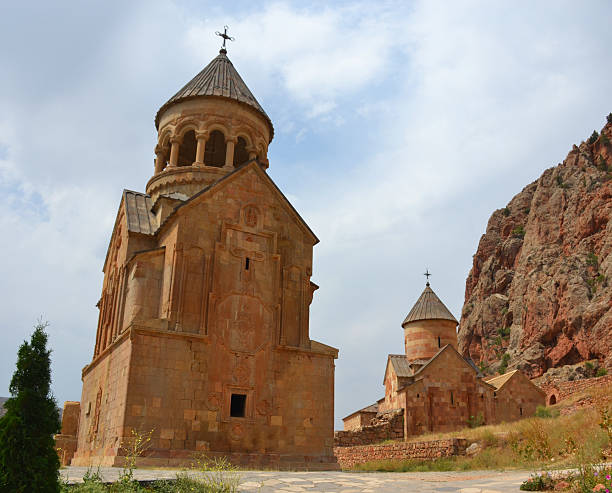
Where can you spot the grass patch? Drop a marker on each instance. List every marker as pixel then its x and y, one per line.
pixel 489 458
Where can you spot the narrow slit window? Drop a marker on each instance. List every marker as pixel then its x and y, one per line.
pixel 452 399
pixel 439 342
pixel 238 405
pixel 521 411
pixel 247 263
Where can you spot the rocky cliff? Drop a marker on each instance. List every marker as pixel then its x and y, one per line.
pixel 539 294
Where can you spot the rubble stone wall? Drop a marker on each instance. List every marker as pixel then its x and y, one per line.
pixel 562 390
pixel 348 457
pixel 389 426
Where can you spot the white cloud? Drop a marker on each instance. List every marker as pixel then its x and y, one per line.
pixel 318 55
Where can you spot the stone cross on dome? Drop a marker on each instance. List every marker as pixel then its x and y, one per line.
pixel 427 274
pixel 225 37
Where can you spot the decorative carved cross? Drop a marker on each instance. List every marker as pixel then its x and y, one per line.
pixel 225 36
pixel 427 274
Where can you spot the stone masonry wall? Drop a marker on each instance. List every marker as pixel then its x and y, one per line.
pixel 389 426
pixel 561 390
pixel 348 457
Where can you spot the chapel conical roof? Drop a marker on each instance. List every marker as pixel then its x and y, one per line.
pixel 429 307
pixel 218 79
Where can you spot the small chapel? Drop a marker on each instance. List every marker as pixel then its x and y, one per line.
pixel 203 332
pixel 435 388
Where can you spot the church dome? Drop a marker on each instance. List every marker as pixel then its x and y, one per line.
pixel 429 307
pixel 210 127
pixel 218 79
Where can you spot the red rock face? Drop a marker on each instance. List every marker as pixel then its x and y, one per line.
pixel 540 288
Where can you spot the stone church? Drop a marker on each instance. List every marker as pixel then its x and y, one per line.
pixel 436 388
pixel 203 332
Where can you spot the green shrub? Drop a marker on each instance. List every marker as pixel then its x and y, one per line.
pixel 85 488
pixel 518 232
pixel 593 138
pixel 504 331
pixel 543 412
pixel 604 139
pixel 601 371
pixel 504 364
pixel 183 483
pixel 538 482
pixel 28 460
pixel 506 211
pixel 602 164
pixel 592 260
pixel 475 421
pixel 609 118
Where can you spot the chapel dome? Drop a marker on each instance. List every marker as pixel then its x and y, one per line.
pixel 429 307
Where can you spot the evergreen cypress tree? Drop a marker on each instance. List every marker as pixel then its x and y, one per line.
pixel 28 460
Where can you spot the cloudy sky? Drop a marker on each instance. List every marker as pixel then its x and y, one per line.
pixel 399 130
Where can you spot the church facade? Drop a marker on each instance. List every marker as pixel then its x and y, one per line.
pixel 436 388
pixel 203 333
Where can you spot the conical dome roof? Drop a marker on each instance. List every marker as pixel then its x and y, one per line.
pixel 429 307
pixel 219 78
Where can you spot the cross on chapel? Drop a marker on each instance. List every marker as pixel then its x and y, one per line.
pixel 427 274
pixel 225 36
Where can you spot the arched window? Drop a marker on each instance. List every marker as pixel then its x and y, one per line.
pixel 241 155
pixel 553 400
pixel 187 149
pixel 214 152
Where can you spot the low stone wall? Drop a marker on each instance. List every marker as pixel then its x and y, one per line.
pixel 348 457
pixel 388 426
pixel 562 390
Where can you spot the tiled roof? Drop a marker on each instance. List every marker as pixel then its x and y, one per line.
pixel 139 217
pixel 372 408
pixel 401 365
pixel 219 78
pixel 429 307
pixel 499 381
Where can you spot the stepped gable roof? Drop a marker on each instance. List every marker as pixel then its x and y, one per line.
pixel 219 78
pixel 138 213
pixel 499 381
pixel 429 307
